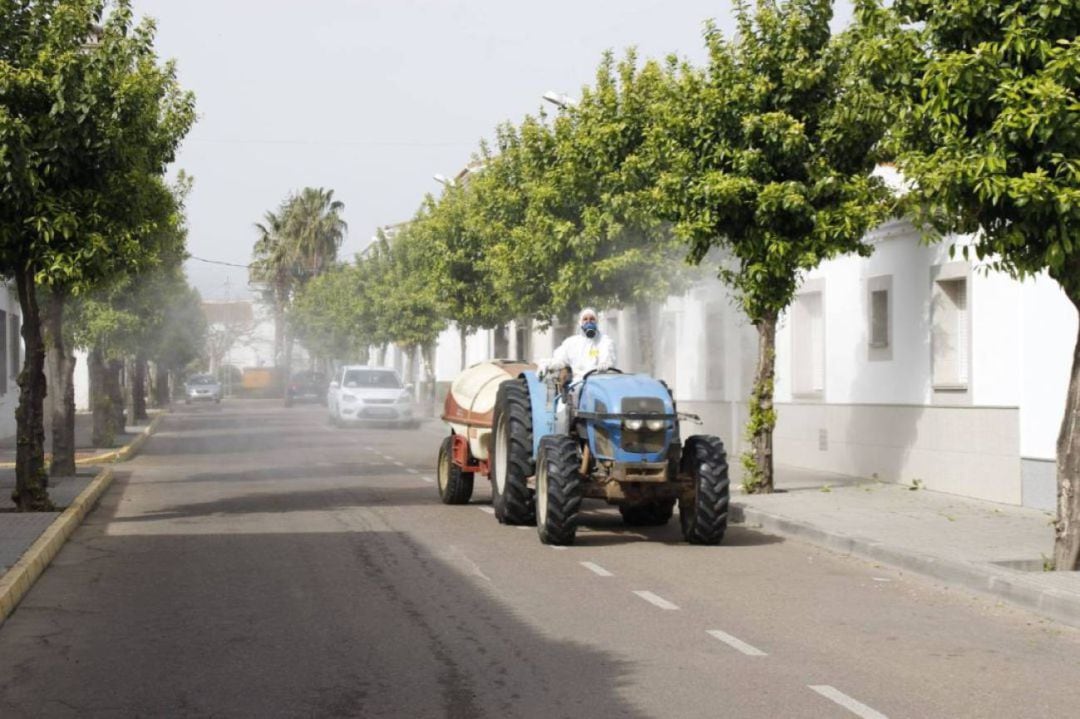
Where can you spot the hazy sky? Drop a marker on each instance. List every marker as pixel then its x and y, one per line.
pixel 373 97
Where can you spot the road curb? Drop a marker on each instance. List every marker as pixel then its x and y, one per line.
pixel 18 580
pixel 984 578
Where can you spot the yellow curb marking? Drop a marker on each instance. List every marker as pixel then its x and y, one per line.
pixel 17 581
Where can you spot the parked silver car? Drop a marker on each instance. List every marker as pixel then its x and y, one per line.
pixel 375 394
pixel 202 388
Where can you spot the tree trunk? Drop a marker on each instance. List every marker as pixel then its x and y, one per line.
pixel 114 369
pixel 161 386
pixel 502 343
pixel 758 463
pixel 63 406
pixel 464 336
pixel 279 331
pixel 286 373
pixel 643 314
pixel 138 389
pixel 1067 526
pixel 31 494
pixel 428 356
pixel 101 400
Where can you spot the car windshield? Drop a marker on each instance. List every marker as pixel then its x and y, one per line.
pixel 371 378
pixel 202 379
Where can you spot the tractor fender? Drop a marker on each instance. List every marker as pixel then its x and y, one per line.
pixel 543 401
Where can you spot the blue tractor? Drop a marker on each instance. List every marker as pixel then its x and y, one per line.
pixel 617 438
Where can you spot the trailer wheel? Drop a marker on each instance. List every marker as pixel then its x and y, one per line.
pixel 652 514
pixel 558 489
pixel 511 454
pixel 455 486
pixel 704 516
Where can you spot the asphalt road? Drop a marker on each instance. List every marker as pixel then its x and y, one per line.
pixel 256 562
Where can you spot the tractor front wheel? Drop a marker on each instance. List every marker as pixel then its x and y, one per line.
pixel 704 515
pixel 559 489
pixel 455 486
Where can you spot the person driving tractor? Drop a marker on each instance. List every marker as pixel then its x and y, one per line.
pixel 584 352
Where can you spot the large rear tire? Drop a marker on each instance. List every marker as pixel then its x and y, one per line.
pixel 652 514
pixel 704 516
pixel 455 486
pixel 558 489
pixel 511 455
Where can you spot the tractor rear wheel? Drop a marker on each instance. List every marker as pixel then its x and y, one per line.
pixel 651 514
pixel 559 489
pixel 511 455
pixel 455 486
pixel 704 516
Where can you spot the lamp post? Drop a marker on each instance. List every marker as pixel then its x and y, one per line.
pixel 559 99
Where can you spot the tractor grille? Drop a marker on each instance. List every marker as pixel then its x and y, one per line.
pixel 644 440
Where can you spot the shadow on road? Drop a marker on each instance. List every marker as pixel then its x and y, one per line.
pixel 350 624
pixel 293 501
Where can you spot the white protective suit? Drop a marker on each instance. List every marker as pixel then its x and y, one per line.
pixel 583 354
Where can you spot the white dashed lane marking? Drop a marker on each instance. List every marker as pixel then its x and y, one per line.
pixel 736 643
pixel 596 569
pixel 655 600
pixel 428 479
pixel 400 464
pixel 410 470
pixel 489 510
pixel 852 705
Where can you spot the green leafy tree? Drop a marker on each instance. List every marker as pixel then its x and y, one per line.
pixel 333 317
pixel 768 158
pixel 87 119
pixel 990 143
pixel 397 276
pixel 616 250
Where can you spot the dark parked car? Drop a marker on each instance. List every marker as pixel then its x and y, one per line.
pixel 307 387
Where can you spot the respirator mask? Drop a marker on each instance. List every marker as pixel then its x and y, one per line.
pixel 589 328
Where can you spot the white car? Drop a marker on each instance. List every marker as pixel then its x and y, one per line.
pixel 372 394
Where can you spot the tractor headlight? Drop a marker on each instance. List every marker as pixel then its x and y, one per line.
pixel 655 425
pixel 634 425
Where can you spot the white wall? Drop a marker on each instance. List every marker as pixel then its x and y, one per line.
pixel 9 399
pixel 1047 336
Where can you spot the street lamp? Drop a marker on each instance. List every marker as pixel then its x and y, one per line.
pixel 559 99
pixel 443 180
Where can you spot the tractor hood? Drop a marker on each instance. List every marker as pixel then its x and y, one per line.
pixel 618 393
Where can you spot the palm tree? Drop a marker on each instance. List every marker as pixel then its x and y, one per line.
pixel 314 230
pixel 298 242
pixel 271 267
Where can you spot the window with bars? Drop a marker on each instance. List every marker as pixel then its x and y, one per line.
pixel 949 333
pixel 808 344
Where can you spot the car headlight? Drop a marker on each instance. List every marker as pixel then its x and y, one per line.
pixel 634 425
pixel 655 425
pixel 348 398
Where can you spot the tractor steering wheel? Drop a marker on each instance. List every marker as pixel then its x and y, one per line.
pixel 591 372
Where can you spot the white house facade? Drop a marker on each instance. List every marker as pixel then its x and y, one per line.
pixel 907 365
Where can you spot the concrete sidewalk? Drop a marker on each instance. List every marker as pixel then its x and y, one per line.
pixel 990 548
pixel 18 530
pixel 84 447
